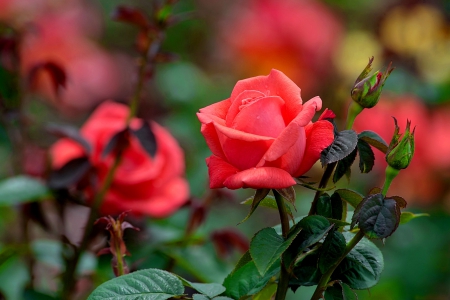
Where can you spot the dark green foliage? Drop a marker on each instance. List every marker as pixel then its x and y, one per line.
pixel 362 267
pixel 343 145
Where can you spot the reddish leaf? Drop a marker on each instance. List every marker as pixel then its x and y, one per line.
pixel 71 173
pixel 225 240
pixel 70 132
pixel 197 217
pixel 132 16
pixel 56 72
pixel 118 142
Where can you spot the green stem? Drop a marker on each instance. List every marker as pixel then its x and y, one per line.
pixel 391 173
pixel 322 286
pixel 69 274
pixel 149 54
pixel 120 263
pixel 322 184
pixel 354 109
pixel 283 282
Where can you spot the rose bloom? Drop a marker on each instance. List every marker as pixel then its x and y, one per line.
pixel 298 37
pixel 142 184
pixel 262 135
pixel 418 183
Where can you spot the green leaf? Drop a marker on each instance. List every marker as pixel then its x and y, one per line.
pixel 148 284
pixel 332 249
pixel 407 216
pixel 378 217
pixel 324 206
pixel 351 197
pixel 222 298
pixel 338 223
pixel 374 140
pixel 330 207
pixel 29 294
pixel 199 297
pixel 306 273
pixel 246 258
pixel 313 229
pixel 269 202
pixel 267 292
pixel 340 291
pixel 209 289
pixel 247 281
pixel 343 166
pixel 343 145
pixel 21 189
pixel 267 247
pixel 260 194
pixel 366 157
pixel 362 267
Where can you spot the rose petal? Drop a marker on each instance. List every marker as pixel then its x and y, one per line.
pixel 281 145
pixel 242 150
pixel 319 135
pixel 262 117
pixel 291 160
pixel 64 151
pixel 219 170
pixel 308 111
pixel 170 197
pixel 219 109
pixel 212 139
pixel 265 177
pixel 237 103
pixel 275 84
pixel 207 118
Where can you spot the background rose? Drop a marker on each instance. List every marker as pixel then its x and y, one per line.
pixel 64 37
pixel 262 135
pixel 297 37
pixel 144 185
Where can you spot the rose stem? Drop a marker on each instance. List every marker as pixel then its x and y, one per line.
pixel 322 286
pixel 283 282
pixel 69 276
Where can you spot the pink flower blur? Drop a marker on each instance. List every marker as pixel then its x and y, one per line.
pixel 297 37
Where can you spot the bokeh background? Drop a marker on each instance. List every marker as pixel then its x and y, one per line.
pixel 321 45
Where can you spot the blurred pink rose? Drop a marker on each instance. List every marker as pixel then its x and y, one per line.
pixel 297 37
pixel 145 185
pixel 421 182
pixel 92 74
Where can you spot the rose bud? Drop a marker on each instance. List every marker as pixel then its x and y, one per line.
pixel 367 89
pixel 401 151
pixel 263 135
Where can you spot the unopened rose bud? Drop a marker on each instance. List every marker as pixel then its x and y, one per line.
pixel 401 150
pixel 367 89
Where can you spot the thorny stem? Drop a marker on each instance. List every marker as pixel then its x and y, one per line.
pixel 283 282
pixel 69 281
pixel 322 286
pixel 69 275
pixel 120 263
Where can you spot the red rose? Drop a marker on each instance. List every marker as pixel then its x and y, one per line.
pixel 144 185
pixel 262 135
